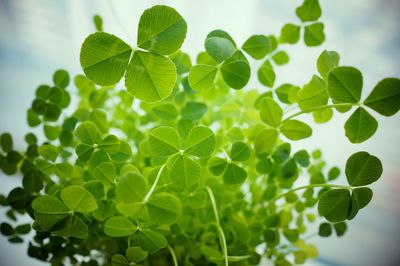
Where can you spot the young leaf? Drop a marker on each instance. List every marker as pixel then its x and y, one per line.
pixel 270 112
pixel 88 133
pixel 296 130
pixel 360 126
pixel 363 169
pixel 185 173
pixel 72 226
pixel 131 188
pixel 280 58
pixel 234 174
pixel 266 74
pixel 150 240
pixel 162 30
pixel 240 151
pixel 334 205
pixel 340 228
pixel 257 46
pixel 200 142
pixel 48 211
pixel 290 34
pixel 327 60
pixel 104 58
pixel 345 85
pixel 219 48
pixel 61 78
pixel 78 199
pixel 310 10
pixel 50 152
pixel 6 142
pixel 236 71
pixel 136 254
pixel 314 34
pixel 164 141
pixel 313 94
pixel 98 22
pixel 150 77
pixel 325 230
pixel 119 226
pixel 385 97
pixel 164 208
pixel 202 77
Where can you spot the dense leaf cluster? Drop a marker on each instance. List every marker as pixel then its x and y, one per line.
pixel 175 167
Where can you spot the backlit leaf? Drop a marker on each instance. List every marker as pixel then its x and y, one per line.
pixel 360 126
pixel 334 205
pixel 266 74
pixel 119 226
pixel 164 208
pixel 200 142
pixel 202 77
pixel 345 85
pixel 296 130
pixel 327 60
pixel 219 48
pixel 78 199
pixel 236 71
pixel 270 112
pixel 385 97
pixel 363 169
pixel 257 46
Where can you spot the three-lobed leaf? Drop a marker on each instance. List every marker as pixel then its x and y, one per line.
pixel 200 142
pixel 164 141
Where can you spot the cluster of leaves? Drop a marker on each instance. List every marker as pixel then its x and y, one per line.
pixel 176 168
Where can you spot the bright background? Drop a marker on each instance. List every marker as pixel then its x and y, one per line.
pixel 38 37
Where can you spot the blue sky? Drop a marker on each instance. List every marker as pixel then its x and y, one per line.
pixel 37 37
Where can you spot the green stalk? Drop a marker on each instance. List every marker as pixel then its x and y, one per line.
pixel 153 187
pixel 173 255
pixel 221 234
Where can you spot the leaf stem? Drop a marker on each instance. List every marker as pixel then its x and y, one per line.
pixel 153 187
pixel 322 107
pixel 221 234
pixel 173 255
pixel 309 186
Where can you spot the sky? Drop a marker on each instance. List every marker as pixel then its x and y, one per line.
pixel 38 37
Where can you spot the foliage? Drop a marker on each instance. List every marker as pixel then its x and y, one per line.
pixel 175 167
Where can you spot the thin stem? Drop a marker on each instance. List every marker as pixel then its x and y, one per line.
pixel 322 107
pixel 308 186
pixel 221 234
pixel 173 255
pixel 153 187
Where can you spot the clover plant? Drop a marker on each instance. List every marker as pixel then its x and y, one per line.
pixel 181 164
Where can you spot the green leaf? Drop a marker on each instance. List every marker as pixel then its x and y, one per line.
pixel 345 85
pixel 283 92
pixel 314 34
pixel 234 174
pixel 219 48
pixel 164 208
pixel 84 151
pixel 333 173
pixel 325 230
pixel 110 144
pixel 313 94
pixel 72 226
pixel 302 158
pixel 236 71
pixel 322 116
pixel 136 254
pixel 310 10
pixel 334 205
pixel 296 130
pixel 194 111
pixel 119 226
pixel 131 188
pixel 166 111
pixel 362 196
pixel 23 229
pixel 257 46
pixel 363 169
pixel 49 152
pixel 266 74
pixel 88 133
pixel 327 60
pixel 150 240
pixel 217 165
pixel 240 152
pixel 270 112
pixel 185 173
pixel 6 142
pixel 104 58
pixel 265 142
pixel 106 172
pixel 340 228
pixel 78 199
pixel 360 126
pixel 124 153
pixel 162 30
pixel 98 22
pixel 164 141
pixel 200 142
pixel 119 260
pixel 290 33
pixel 281 58
pixel 48 211
pixel 150 77
pixel 221 34
pixel 61 78
pixel 385 97
pixel 202 77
